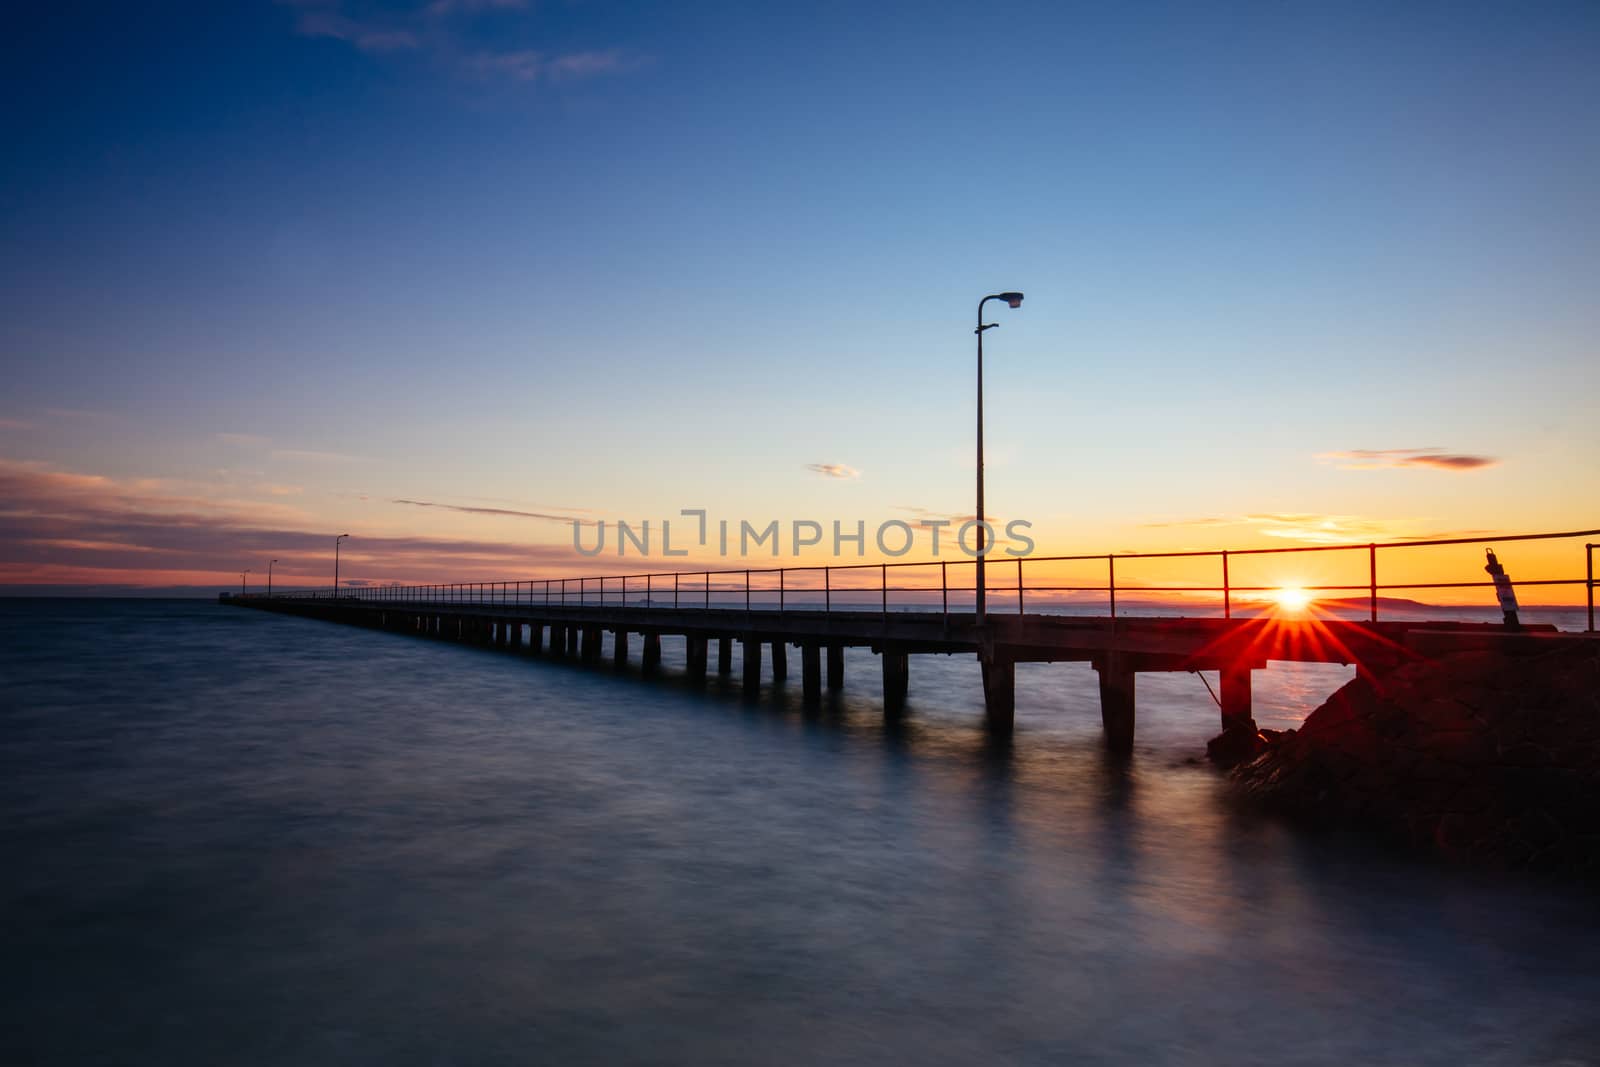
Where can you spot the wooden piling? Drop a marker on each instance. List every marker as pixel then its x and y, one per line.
pixel 1116 702
pixel 811 672
pixel 835 666
pixel 999 693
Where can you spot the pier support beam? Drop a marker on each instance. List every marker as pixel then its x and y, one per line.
pixel 652 653
pixel 835 666
pixel 591 643
pixel 695 651
pixel 1116 702
pixel 724 656
pixel 752 666
pixel 999 694
pixel 619 649
pixel 896 678
pixel 811 672
pixel 535 637
pixel 558 640
pixel 780 660
pixel 516 634
pixel 572 639
pixel 1236 707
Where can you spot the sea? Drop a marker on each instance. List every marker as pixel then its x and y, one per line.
pixel 237 838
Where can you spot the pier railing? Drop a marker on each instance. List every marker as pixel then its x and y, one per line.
pixel 931 585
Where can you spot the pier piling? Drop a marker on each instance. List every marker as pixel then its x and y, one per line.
pixel 1116 702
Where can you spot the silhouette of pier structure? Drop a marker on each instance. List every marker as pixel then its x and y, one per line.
pixel 568 618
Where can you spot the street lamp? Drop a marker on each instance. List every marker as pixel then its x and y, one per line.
pixel 1015 301
pixel 242 583
pixel 270 562
pixel 336 541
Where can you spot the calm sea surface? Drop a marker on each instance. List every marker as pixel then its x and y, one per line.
pixel 236 838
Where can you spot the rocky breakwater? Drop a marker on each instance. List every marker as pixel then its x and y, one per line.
pixel 1482 756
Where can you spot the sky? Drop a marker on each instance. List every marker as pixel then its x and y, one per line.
pixel 449 275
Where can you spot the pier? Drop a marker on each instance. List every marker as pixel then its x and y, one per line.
pixel 769 612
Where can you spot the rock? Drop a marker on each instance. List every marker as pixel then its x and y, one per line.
pixel 1474 756
pixel 1232 747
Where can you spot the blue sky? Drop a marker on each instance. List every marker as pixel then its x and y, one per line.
pixel 628 258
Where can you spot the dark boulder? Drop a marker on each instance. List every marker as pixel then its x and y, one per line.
pixel 1475 756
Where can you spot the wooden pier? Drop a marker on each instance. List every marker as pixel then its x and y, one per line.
pixel 1119 649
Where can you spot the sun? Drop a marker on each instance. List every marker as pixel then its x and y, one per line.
pixel 1291 598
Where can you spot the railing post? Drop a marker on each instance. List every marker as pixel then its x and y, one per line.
pixel 647 594
pixel 747 591
pixel 884 581
pixel 781 573
pixel 1020 610
pixel 827 590
pixel 708 590
pixel 1227 591
pixel 1588 556
pixel 675 577
pixel 1111 583
pixel 944 589
pixel 1372 581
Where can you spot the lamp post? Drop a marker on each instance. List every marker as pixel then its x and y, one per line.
pixel 270 562
pixel 242 583
pixel 1015 301
pixel 336 541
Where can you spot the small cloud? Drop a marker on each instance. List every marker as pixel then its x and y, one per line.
pixel 279 490
pixel 432 30
pixel 442 8
pixel 523 66
pixel 367 37
pixel 833 470
pixel 927 516
pixel 576 65
pixel 306 455
pixel 14 424
pixel 1375 459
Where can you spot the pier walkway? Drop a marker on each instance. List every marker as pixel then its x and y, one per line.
pixel 711 610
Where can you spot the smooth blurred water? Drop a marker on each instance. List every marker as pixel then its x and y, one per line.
pixel 237 838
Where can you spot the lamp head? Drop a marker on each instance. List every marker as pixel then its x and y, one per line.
pixel 1014 299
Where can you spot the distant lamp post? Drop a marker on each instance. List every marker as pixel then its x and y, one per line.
pixel 270 562
pixel 336 541
pixel 1015 301
pixel 243 585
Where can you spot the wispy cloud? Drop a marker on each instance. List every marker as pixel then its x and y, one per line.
pixel 14 424
pixel 444 31
pixel 1375 459
pixel 65 527
pixel 833 470
pixel 1318 529
pixel 575 65
pixel 363 35
pixel 306 455
pixel 446 8
pixel 924 516
pixel 511 513
pixel 244 440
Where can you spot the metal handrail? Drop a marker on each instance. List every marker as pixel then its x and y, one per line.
pixel 511 591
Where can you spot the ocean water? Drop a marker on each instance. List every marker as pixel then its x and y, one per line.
pixel 236 838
